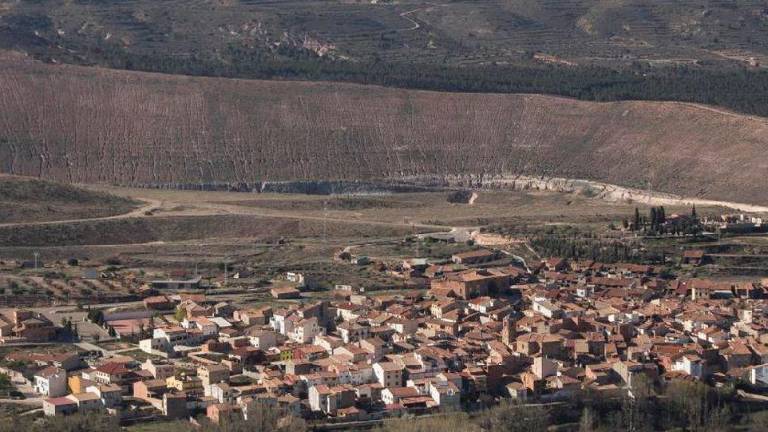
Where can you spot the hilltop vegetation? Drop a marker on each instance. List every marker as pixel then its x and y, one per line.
pixel 105 126
pixel 32 200
pixel 689 50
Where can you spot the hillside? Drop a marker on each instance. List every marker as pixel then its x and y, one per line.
pixel 457 31
pixel 98 126
pixel 31 200
pixel 698 51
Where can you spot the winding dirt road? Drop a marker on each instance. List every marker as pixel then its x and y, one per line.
pixel 149 206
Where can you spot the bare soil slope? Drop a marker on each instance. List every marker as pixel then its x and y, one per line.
pixel 31 200
pixel 90 125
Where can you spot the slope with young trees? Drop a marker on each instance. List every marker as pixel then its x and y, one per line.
pixel 90 125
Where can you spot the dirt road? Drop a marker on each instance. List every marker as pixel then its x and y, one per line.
pixel 609 192
pixel 149 206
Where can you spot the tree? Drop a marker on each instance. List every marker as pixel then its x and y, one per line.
pixel 260 419
pixel 637 219
pixel 653 218
pixel 512 417
pixel 587 422
pixel 458 422
pixel 92 422
pixel 96 316
pixel 180 314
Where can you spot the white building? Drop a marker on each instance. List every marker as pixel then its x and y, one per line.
pixel 388 374
pixel 51 382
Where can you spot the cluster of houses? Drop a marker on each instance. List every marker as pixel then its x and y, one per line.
pixel 734 223
pixel 480 329
pixel 26 326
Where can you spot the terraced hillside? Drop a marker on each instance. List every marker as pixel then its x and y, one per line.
pixel 463 31
pixel 92 125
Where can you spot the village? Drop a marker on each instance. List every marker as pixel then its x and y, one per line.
pixel 476 328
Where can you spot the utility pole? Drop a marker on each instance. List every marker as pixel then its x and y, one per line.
pixel 226 271
pixel 649 192
pixel 197 261
pixel 37 255
pixel 325 222
pixel 417 239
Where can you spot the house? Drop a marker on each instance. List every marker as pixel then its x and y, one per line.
pixel 51 382
pixel 693 257
pixel 212 374
pixel 223 392
pixel 113 373
pixel 297 278
pixel 758 375
pixel 555 264
pixel 86 402
pixel 305 330
pixel 351 331
pixel 446 394
pixel 263 339
pixel 439 308
pixel 474 257
pixel 544 307
pixel 389 374
pixel 175 405
pixel 32 326
pixel 176 284
pixel 690 364
pixel 392 395
pixel 283 293
pixel 158 303
pixel 59 406
pixel 109 395
pixel 150 389
pixel 258 403
pixel 470 283
pixel 217 412
pixel 321 398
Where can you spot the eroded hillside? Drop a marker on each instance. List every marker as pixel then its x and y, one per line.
pixel 92 125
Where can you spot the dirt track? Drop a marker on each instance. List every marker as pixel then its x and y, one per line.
pixel 149 206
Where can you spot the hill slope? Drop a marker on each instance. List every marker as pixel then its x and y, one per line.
pixel 31 200
pixel 90 125
pixel 464 31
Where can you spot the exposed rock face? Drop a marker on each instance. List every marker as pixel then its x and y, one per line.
pixel 92 125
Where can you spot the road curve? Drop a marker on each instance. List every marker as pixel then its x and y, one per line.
pixel 149 206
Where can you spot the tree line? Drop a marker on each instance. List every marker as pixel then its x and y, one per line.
pixel 733 87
